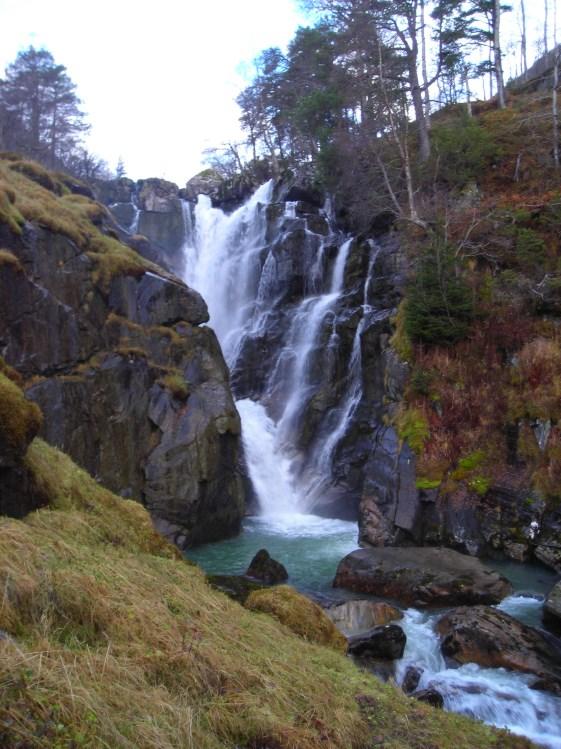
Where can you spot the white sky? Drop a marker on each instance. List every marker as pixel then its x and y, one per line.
pixel 158 80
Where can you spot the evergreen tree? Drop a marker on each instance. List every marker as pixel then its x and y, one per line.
pixel 40 109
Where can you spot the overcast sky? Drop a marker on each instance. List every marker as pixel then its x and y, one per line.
pixel 157 79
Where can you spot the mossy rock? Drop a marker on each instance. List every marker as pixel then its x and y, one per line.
pixel 20 420
pixel 299 614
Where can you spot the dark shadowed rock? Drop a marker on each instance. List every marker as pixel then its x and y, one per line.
pixel 380 642
pixel 493 639
pixel 421 576
pixel 353 617
pixel 237 587
pixel 430 696
pixel 263 567
pixel 411 679
pixel 552 609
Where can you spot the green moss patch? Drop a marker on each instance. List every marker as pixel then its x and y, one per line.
pixel 20 419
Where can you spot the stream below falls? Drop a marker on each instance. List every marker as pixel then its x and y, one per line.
pixel 311 547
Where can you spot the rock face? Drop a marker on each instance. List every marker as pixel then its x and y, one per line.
pixel 421 576
pixel 266 569
pixel 552 609
pixel 386 642
pixel 353 617
pixel 131 386
pixel 494 639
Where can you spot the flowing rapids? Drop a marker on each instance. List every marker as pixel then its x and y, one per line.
pixel 232 260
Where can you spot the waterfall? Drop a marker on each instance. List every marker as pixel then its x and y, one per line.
pixel 234 264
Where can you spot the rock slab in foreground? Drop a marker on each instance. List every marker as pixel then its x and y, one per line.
pixel 493 639
pixel 420 576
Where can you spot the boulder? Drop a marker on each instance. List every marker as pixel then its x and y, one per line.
pixel 552 609
pixel 157 195
pixel 266 569
pixel 207 182
pixel 421 576
pixel 353 617
pixel 411 679
pixel 493 639
pixel 304 617
pixel 386 642
pixel 430 696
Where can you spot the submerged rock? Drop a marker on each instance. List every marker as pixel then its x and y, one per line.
pixel 421 576
pixel 353 617
pixel 386 642
pixel 298 613
pixel 263 567
pixel 493 639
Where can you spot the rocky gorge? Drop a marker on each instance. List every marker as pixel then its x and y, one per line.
pixel 356 373
pixel 137 391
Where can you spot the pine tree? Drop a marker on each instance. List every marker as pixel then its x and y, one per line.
pixel 40 108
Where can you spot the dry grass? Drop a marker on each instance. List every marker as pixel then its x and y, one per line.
pixel 114 641
pixel 8 258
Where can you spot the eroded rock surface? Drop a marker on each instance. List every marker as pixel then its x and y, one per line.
pixel 421 576
pixel 353 617
pixel 493 639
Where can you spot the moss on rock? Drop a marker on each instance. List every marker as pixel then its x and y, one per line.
pixel 299 614
pixel 20 420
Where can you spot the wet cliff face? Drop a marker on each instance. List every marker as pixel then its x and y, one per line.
pixel 131 384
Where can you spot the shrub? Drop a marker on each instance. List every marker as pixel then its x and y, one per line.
pixel 413 426
pixel 462 149
pixel 439 304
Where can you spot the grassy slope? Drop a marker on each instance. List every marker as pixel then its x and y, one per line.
pixel 114 641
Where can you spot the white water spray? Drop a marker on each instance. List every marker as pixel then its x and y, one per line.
pixel 228 261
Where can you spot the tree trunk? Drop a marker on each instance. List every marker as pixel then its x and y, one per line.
pixel 523 49
pixel 424 64
pixel 497 54
pixel 555 112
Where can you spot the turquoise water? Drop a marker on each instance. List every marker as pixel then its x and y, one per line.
pixel 310 548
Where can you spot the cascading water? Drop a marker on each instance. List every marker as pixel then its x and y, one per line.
pixel 228 260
